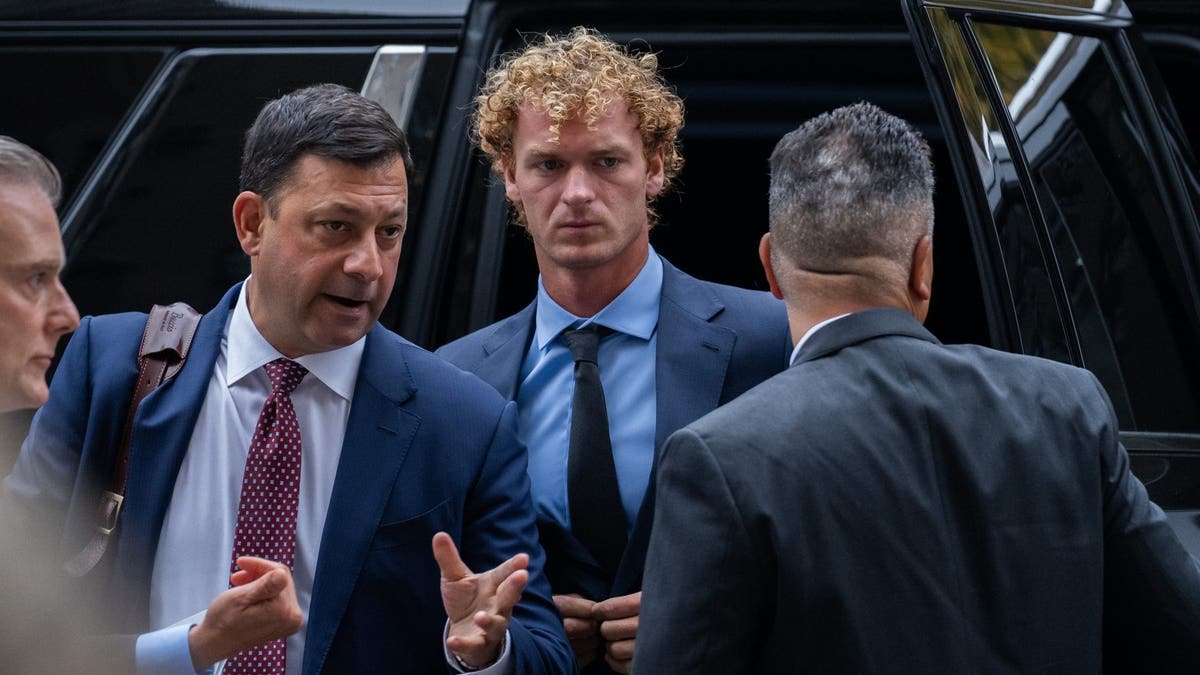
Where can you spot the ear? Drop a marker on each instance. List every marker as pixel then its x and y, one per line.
pixel 764 256
pixel 655 174
pixel 510 182
pixel 249 212
pixel 920 276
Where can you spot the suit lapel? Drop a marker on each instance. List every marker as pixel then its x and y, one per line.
pixel 504 350
pixel 379 434
pixel 161 433
pixel 692 354
pixel 692 357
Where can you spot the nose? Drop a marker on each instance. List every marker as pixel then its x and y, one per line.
pixel 364 260
pixel 578 189
pixel 62 317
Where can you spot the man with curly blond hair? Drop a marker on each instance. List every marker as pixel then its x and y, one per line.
pixel 619 348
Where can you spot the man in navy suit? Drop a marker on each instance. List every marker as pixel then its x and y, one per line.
pixel 584 136
pixel 377 449
pixel 889 503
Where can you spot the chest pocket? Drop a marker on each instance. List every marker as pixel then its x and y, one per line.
pixel 418 530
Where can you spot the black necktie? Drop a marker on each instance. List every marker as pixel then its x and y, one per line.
pixel 597 518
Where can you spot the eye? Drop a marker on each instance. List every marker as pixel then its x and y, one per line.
pixel 391 231
pixel 548 164
pixel 609 162
pixel 336 226
pixel 39 280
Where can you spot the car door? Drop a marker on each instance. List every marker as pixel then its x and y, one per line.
pixel 144 106
pixel 1081 193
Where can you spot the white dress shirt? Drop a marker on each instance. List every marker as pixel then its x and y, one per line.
pixel 195 548
pixel 809 333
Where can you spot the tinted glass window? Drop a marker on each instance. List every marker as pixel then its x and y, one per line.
pixel 93 88
pixel 1178 61
pixel 1027 298
pixel 1116 245
pixel 161 230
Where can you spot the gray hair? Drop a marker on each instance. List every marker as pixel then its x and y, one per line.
pixel 20 163
pixel 850 184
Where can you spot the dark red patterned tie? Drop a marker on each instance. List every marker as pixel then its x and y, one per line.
pixel 266 521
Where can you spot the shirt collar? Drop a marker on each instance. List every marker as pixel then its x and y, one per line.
pixel 247 351
pixel 633 312
pixel 810 333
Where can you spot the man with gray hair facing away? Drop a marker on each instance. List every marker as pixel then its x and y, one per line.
pixel 890 503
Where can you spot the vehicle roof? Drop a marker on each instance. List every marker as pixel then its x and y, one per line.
pixel 157 10
pixel 737 11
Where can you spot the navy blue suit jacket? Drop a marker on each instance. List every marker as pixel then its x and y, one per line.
pixel 714 342
pixel 890 504
pixel 427 448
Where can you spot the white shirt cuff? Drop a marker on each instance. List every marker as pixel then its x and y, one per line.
pixel 502 666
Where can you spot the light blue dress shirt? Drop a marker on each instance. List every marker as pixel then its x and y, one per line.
pixel 627 362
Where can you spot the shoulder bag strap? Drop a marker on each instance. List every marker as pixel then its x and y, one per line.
pixel 163 351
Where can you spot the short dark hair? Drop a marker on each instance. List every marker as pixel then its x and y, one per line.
pixel 20 163
pixel 326 120
pixel 852 183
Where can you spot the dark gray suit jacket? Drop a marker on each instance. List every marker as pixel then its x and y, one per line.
pixel 893 505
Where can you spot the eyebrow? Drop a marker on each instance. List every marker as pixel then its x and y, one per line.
pixel 610 150
pixel 31 266
pixel 538 152
pixel 351 211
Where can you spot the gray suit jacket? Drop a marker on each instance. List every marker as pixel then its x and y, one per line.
pixel 890 504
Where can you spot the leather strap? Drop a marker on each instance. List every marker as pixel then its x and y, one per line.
pixel 162 353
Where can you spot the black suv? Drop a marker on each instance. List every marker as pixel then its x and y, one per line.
pixel 1068 191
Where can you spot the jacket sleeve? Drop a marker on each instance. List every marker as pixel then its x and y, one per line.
pixel 499 523
pixel 702 596
pixel 1151 583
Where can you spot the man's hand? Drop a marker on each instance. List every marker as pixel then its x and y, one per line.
pixel 260 607
pixel 479 606
pixel 618 619
pixel 582 629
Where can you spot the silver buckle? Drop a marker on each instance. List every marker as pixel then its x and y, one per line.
pixel 111 505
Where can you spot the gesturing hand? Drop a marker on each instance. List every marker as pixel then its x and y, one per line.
pixel 582 629
pixel 260 607
pixel 479 606
pixel 618 619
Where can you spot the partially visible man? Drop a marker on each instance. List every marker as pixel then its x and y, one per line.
pixel 619 348
pixel 42 629
pixel 892 504
pixel 303 432
pixel 35 310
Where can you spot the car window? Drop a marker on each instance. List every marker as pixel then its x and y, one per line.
pixel 1029 303
pixel 172 180
pixel 91 87
pixel 1115 241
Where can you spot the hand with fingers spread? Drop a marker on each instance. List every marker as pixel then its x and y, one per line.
pixel 260 607
pixel 479 606
pixel 582 628
pixel 618 618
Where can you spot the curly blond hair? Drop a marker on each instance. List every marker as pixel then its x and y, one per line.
pixel 578 75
